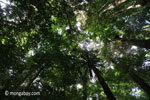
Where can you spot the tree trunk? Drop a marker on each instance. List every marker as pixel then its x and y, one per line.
pixel 141 83
pixel 106 89
pixel 101 80
pixel 84 80
pixel 139 43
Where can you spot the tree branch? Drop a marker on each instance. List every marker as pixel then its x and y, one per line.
pixel 35 76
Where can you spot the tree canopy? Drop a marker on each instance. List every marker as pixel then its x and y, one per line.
pixel 75 49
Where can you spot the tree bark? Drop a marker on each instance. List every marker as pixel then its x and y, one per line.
pixel 141 43
pixel 106 89
pixel 101 80
pixel 136 42
pixel 84 80
pixel 141 83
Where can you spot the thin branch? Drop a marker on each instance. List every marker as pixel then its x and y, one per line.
pixel 35 76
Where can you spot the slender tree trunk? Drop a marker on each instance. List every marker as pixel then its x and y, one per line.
pixel 141 83
pixel 64 92
pixel 106 89
pixel 101 80
pixel 35 76
pixel 84 80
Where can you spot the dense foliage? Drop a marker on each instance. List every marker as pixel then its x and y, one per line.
pixel 75 49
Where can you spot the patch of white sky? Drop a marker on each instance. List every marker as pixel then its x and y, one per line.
pixel 134 47
pixel 31 53
pixel 133 50
pixel 135 92
pixel 59 30
pixel 147 22
pixel 118 54
pixel 146 64
pixel 89 44
pixel 78 24
pixel 3 3
pixel 11 71
pixel 79 86
pixel 84 2
pixel 81 18
pixel 93 79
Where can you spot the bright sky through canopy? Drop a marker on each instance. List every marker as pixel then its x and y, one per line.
pixel 3 3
